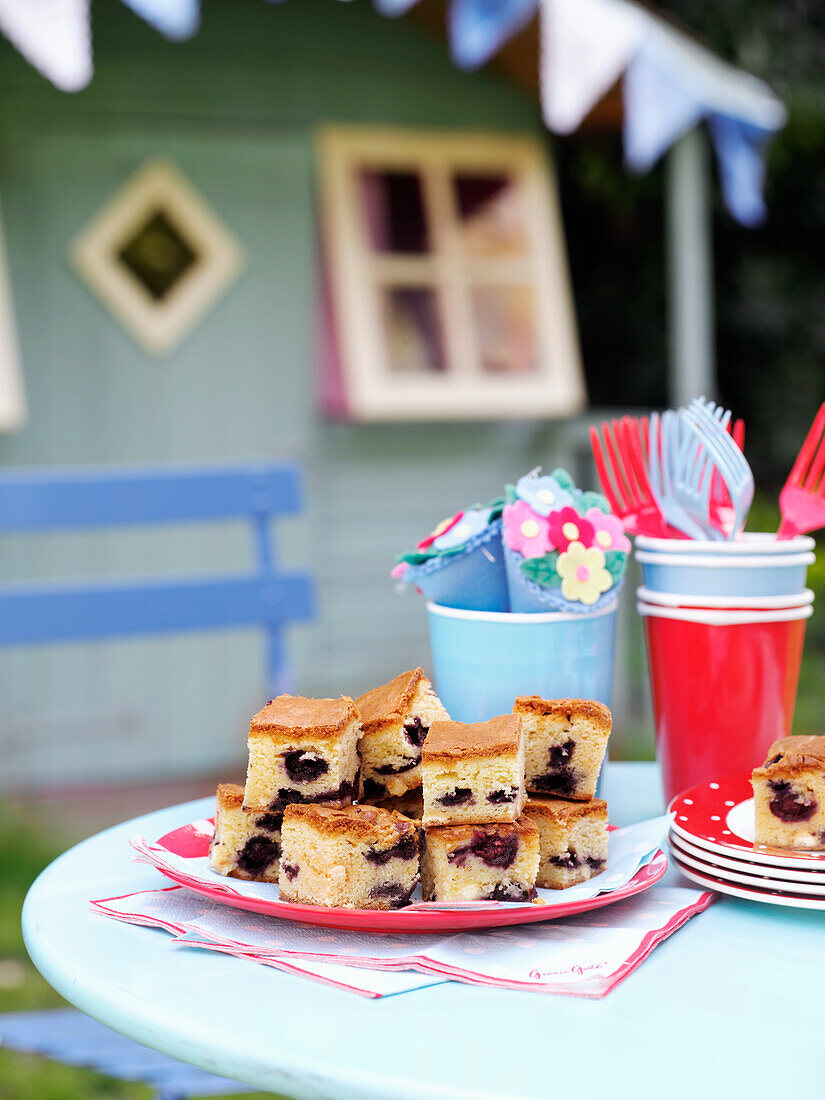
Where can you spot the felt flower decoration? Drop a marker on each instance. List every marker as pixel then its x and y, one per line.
pixel 543 494
pixel 399 570
pixel 472 522
pixel 568 526
pixel 608 532
pixel 441 529
pixel 524 531
pixel 583 574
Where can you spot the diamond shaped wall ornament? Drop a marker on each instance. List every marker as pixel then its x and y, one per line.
pixel 158 257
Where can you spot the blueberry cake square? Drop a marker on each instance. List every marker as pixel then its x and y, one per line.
pixel 303 750
pixel 572 839
pixel 358 857
pixel 564 744
pixel 246 844
pixel 395 719
pixel 494 862
pixel 410 804
pixel 789 795
pixel 473 773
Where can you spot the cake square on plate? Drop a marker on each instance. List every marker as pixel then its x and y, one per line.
pixel 494 862
pixel 357 857
pixel 303 750
pixel 473 773
pixel 572 839
pixel 564 744
pixel 246 843
pixel 395 719
pixel 789 795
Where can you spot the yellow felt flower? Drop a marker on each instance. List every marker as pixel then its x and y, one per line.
pixel 583 573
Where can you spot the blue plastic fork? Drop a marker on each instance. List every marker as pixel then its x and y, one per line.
pixel 709 421
pixel 694 472
pixel 663 457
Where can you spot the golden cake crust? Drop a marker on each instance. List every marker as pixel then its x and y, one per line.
pixel 580 708
pixel 454 740
pixel 459 834
pixel 362 822
pixel 388 703
pixel 230 796
pixel 294 714
pixel 793 754
pixel 561 810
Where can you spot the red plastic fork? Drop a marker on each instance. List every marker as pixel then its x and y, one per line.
pixel 802 500
pixel 723 514
pixel 620 455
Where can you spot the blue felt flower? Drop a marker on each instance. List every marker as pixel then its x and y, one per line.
pixel 473 522
pixel 543 494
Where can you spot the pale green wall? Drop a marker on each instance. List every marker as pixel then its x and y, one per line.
pixel 235 108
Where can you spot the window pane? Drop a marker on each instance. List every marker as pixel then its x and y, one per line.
pixel 412 330
pixel 491 214
pixel 394 211
pixel 505 329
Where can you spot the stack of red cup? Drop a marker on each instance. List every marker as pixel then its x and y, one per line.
pixel 725 628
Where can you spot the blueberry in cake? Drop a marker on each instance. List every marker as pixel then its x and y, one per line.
pixel 395 719
pixel 358 857
pixel 303 750
pixel 246 843
pixel 473 773
pixel 572 839
pixel 493 862
pixel 564 744
pixel 789 795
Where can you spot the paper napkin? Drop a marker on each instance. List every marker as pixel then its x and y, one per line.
pixel 586 955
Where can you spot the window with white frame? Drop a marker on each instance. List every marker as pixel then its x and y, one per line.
pixel 448 275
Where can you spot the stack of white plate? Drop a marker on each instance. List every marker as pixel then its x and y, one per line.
pixel 711 839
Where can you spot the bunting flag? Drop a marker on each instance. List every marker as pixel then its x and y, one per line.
pixel 479 28
pixel 54 36
pixel 669 83
pixel 585 47
pixel 658 110
pixel 177 19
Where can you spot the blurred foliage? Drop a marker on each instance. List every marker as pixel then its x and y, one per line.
pixel 770 282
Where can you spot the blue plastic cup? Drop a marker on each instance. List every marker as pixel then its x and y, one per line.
pixel 725 573
pixel 483 660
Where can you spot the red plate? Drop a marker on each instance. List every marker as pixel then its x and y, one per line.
pixel 718 816
pixel 192 842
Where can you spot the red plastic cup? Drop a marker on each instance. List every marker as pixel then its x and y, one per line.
pixel 723 684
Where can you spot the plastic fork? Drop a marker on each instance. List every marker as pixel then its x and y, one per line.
pixel 710 424
pixel 802 500
pixel 663 460
pixel 621 461
pixel 694 473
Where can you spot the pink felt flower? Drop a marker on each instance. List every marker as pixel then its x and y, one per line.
pixel 399 570
pixel 567 526
pixel 525 531
pixel 608 531
pixel 441 529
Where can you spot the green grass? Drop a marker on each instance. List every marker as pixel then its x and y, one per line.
pixel 24 851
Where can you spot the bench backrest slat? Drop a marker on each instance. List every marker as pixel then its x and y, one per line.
pixel 35 500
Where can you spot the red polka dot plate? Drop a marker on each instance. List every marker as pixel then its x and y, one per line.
pixel 717 816
pixel 769 897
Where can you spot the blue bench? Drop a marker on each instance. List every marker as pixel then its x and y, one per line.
pixel 44 501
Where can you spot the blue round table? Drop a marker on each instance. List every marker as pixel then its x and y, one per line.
pixel 730 1006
